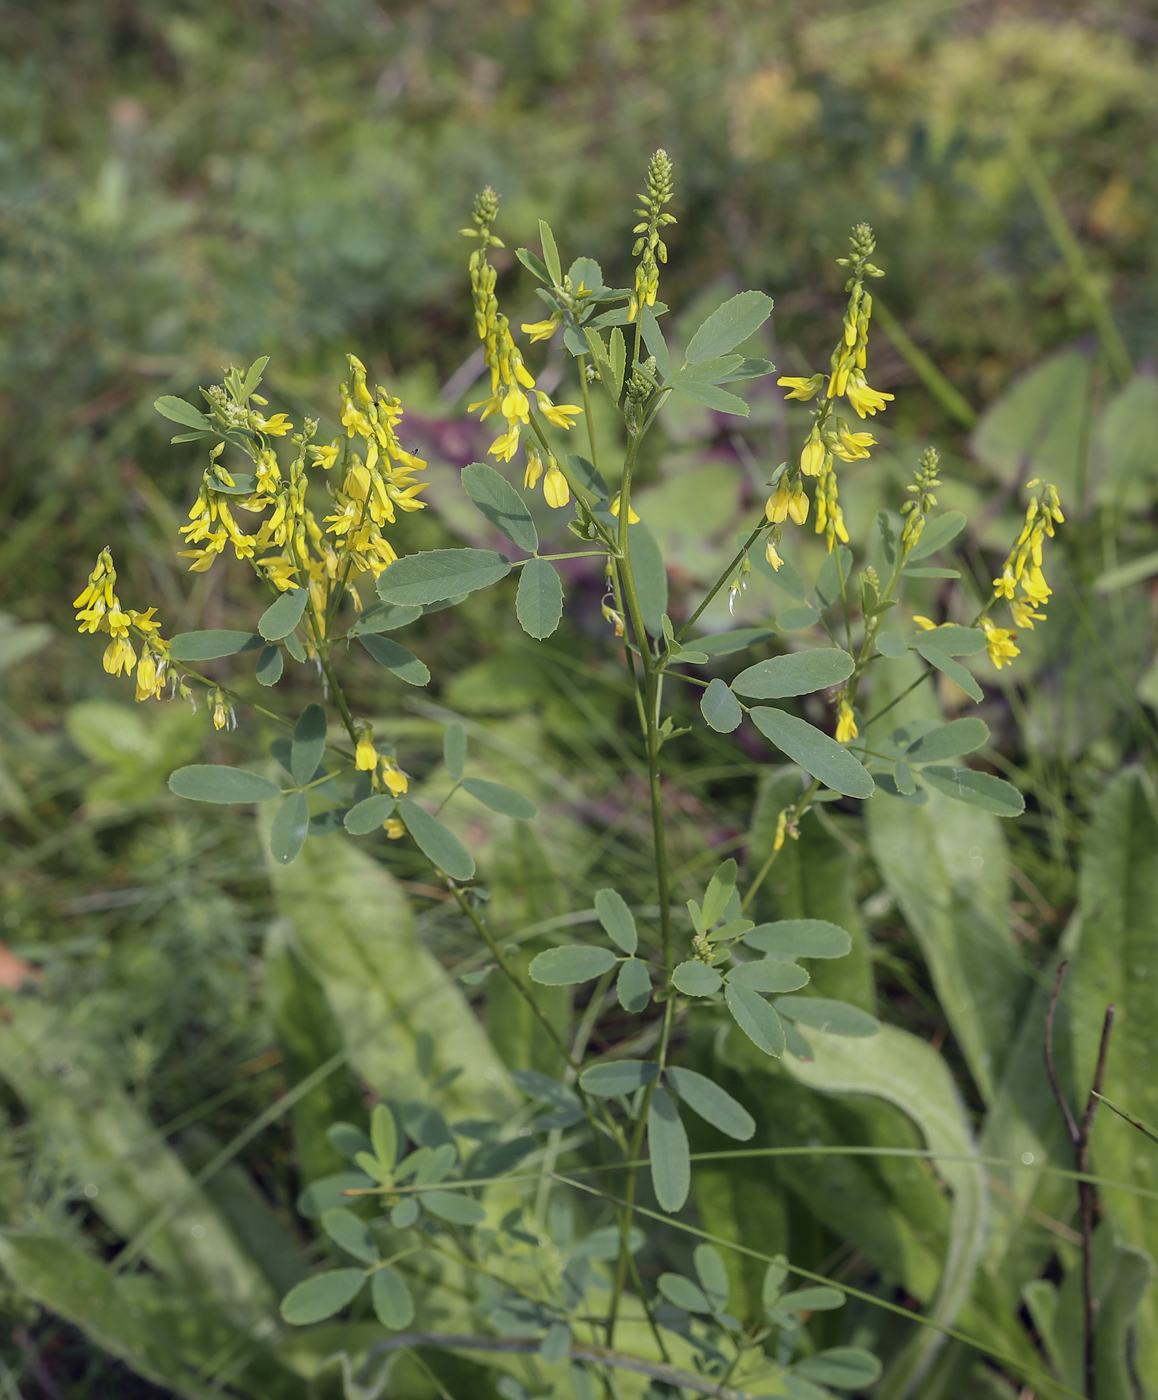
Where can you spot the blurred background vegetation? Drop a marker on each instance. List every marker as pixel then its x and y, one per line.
pixel 185 186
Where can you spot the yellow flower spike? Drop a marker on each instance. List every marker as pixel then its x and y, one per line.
pixel 772 556
pixel 812 455
pixel 394 827
pixel 999 642
pixel 365 754
pixel 393 776
pixel 864 399
pixel 632 518
pixel 516 405
pixel 505 446
pixel 119 657
pixel 802 389
pixel 555 487
pixel 846 723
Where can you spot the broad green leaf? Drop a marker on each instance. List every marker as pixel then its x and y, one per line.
pixel 354 930
pixel 819 1299
pixel 650 576
pixel 617 920
pixel 903 777
pixel 440 573
pixel 217 782
pixel 270 664
pixel 501 504
pixel 208 646
pixel 719 892
pixel 384 1136
pixel 454 750
pixel 952 640
pixel 533 264
pixel 910 572
pixel 816 753
pixel 576 962
pixel 937 534
pixel 945 663
pixel 948 740
pixel 633 986
pixel 696 979
pixel 453 1207
pixel 709 395
pixel 1115 962
pixel 396 658
pixel 977 789
pixel 321 1296
pixel 755 1018
pixel 585 473
pixel 729 326
pixel 309 743
pixel 501 799
pixel 720 708
pixel 800 938
pixel 850 1368
pixel 391 1298
pixel 768 975
pixel 550 253
pixel 713 1276
pixel 725 643
pixel 283 614
pixel 436 842
pixel 798 673
pixel 369 814
pixel 683 1293
pixel 386 617
pixel 609 1081
pixel 291 822
pixel 715 1105
pixel 905 1071
pixel 892 646
pixel 350 1233
pixel 667 1146
pixel 539 600
pixel 653 338
pixel 835 1017
pixel 178 411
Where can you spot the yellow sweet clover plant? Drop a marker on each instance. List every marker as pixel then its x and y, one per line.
pixel 316 531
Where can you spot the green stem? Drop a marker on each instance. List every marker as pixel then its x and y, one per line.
pixel 797 809
pixel 724 577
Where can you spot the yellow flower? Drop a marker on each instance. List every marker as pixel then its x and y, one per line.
pixel 846 724
pixel 277 426
pixel 541 330
pixel 925 623
pixel 865 400
pixel 394 827
pixel 555 487
pixel 785 503
pixel 802 389
pixel 781 830
pixel 325 457
pixel 119 657
pixel 1023 613
pixel 812 455
pixel 559 414
pixel 1006 585
pixel 506 445
pixel 223 714
pixel 851 447
pixel 632 518
pixel 1034 586
pixel 393 776
pixel 771 555
pixel 798 507
pixel 365 754
pixel 1000 644
pixel 534 468
pixel 515 405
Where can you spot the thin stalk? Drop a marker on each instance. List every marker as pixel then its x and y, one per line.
pixel 723 578
pixel 797 808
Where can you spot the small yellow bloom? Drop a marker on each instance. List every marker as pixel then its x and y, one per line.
pixel 925 623
pixel 852 447
pixel 812 455
pixel 771 555
pixel 1006 585
pixel 558 414
pixel 534 468
pixel 393 776
pixel 1023 613
pixel 394 827
pixel 781 830
pixel 277 426
pixel 785 503
pixel 365 754
pixel 223 713
pixel 1034 586
pixel 632 518
pixel 846 724
pixel 119 657
pixel 1000 644
pixel 865 400
pixel 541 330
pixel 555 487
pixel 798 507
pixel 802 389
pixel 325 457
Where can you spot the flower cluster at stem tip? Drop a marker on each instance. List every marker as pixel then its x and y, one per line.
pixel 510 377
pixel 100 611
pixel 1022 571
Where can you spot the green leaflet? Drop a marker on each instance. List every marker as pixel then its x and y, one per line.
pixel 437 574
pixel 207 646
pixel 436 842
pixel 501 504
pixel 1116 962
pixel 667 1146
pixel 576 962
pixel 720 708
pixel 354 931
pixel 396 658
pixel 904 1071
pixel 216 782
pixel 816 753
pixel 287 833
pixel 500 798
pixel 283 614
pixel 650 576
pixel 617 919
pixel 539 600
pixel 797 673
pixel 739 317
pixel 320 1297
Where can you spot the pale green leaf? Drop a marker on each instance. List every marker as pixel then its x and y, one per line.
pixel 948 740
pixel 720 708
pixel 178 411
pixel 835 1017
pixel 309 743
pixel 501 799
pixel 384 1136
pixel 454 750
pixel 502 505
pixel 850 1368
pixel 291 823
pixel 715 1105
pixel 756 1019
pixel 696 979
pixel 283 614
pixel 800 938
pixel 575 962
pixel 713 1276
pixel 939 532
pixel 217 782
pixel 322 1296
pixel 396 658
pixel 350 1233
pixel 798 673
pixel 683 1293
pixel 208 646
pixel 982 790
pixel 393 1304
pixel 633 986
pixel 617 920
pixel 369 814
pixel 437 574
pixel 768 975
pixel 816 753
pixel 539 600
pixel 617 1077
pixel 739 317
pixel 667 1146
pixel 453 1207
pixel 436 842
pixel 270 664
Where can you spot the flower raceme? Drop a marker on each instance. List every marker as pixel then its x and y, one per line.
pixel 100 610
